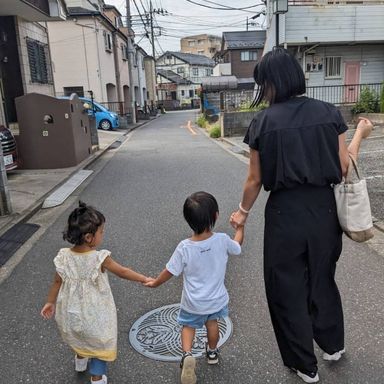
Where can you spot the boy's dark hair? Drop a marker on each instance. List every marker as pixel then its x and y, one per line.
pixel 200 211
pixel 84 219
pixel 279 77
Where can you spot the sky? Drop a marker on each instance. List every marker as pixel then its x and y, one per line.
pixel 185 19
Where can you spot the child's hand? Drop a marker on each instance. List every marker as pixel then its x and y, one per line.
pixel 151 283
pixel 48 310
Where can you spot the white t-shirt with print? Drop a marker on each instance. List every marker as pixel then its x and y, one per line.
pixel 203 264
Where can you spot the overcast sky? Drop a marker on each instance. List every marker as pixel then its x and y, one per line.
pixel 185 19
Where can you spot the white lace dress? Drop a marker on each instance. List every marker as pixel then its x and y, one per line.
pixel 85 309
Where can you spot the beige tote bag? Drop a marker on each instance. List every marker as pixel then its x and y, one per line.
pixel 353 206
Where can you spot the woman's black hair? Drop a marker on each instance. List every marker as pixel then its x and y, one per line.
pixel 200 211
pixel 279 77
pixel 84 219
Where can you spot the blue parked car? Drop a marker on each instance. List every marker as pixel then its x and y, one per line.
pixel 105 119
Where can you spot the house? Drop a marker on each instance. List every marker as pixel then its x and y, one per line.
pixel 203 44
pixel 187 65
pixel 175 91
pixel 89 53
pixel 25 61
pixel 340 44
pixel 239 54
pixel 139 80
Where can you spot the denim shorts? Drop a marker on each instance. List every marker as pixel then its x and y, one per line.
pixel 196 321
pixel 97 367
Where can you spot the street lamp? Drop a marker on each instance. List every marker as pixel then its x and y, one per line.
pixel 279 7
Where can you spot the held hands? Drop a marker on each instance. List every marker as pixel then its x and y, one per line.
pixel 364 127
pixel 238 219
pixel 48 310
pixel 151 283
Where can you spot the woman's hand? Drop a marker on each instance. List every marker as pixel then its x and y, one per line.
pixel 364 127
pixel 238 218
pixel 48 310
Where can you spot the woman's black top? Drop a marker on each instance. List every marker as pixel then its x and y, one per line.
pixel 298 143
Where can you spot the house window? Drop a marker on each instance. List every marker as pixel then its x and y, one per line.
pixel 200 42
pixel 208 71
pixel 78 90
pixel 332 66
pixel 180 69
pixel 38 61
pixel 124 52
pixel 191 43
pixel 195 71
pixel 182 92
pixel 248 56
pixel 107 41
pixel 191 92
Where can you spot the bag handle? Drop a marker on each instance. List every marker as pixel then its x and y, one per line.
pixel 352 166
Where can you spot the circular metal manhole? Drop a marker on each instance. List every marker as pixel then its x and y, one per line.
pixel 157 334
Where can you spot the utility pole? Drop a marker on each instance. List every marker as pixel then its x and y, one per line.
pixel 130 61
pixel 152 34
pixel 247 23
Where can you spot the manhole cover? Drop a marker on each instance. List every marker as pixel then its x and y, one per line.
pixel 157 334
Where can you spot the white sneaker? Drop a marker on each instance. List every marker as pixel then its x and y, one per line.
pixel 334 357
pixel 103 380
pixel 81 364
pixel 311 378
pixel 188 375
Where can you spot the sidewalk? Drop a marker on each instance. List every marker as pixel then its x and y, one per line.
pixel 29 188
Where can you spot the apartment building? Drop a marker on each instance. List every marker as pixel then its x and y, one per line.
pixel 203 44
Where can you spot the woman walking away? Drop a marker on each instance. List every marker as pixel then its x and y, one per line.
pixel 297 151
pixel 81 297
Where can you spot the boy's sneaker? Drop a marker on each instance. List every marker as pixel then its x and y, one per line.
pixel 212 355
pixel 307 377
pixel 334 357
pixel 81 364
pixel 103 380
pixel 188 366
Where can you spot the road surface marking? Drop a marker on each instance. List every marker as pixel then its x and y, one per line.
pixel 190 128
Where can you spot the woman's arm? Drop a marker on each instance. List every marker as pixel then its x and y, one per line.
pixel 363 130
pixel 49 308
pixel 123 272
pixel 251 190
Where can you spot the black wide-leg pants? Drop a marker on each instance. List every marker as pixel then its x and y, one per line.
pixel 302 243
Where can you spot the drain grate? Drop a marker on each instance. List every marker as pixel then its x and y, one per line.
pixel 14 238
pixel 157 334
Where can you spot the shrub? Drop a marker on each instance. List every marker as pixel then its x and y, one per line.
pixel 247 106
pixel 201 121
pixel 215 131
pixel 382 98
pixel 368 102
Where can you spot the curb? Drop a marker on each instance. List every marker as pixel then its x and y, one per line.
pixel 34 208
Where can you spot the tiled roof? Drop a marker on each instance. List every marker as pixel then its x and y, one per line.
pixel 192 59
pixel 244 39
pixel 172 76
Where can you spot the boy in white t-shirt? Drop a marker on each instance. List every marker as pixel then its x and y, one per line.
pixel 202 259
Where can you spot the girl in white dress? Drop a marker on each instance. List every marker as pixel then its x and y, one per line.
pixel 80 296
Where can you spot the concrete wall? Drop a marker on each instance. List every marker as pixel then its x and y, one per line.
pixel 235 123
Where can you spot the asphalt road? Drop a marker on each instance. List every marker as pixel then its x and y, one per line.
pixel 140 187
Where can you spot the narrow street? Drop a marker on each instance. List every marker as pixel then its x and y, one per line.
pixel 141 187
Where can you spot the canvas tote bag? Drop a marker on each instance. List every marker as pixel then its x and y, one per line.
pixel 353 206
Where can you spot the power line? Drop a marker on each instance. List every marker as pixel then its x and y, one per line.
pixel 224 7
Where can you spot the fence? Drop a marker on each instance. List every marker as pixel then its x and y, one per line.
pixel 335 94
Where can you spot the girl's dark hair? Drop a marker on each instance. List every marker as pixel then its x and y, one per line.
pixel 84 219
pixel 200 211
pixel 279 77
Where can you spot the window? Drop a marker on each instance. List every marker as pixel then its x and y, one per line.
pixel 78 90
pixel 195 71
pixel 200 52
pixel 180 69
pixel 248 56
pixel 200 42
pixel 38 61
pixel 191 43
pixel 191 92
pixel 182 92
pixel 107 41
pixel 332 66
pixel 208 71
pixel 124 52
